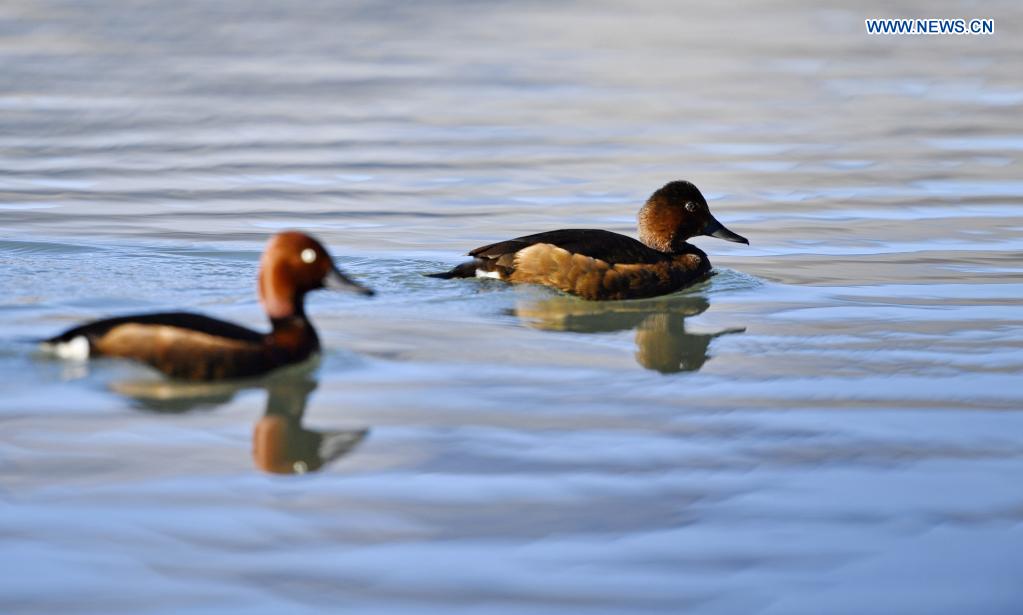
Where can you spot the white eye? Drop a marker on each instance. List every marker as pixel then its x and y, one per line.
pixel 691 206
pixel 308 255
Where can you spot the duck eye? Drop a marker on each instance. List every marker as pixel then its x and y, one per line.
pixel 308 255
pixel 691 207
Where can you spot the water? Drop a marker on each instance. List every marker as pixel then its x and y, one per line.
pixel 830 425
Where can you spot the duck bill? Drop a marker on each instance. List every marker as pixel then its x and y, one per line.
pixel 716 229
pixel 335 280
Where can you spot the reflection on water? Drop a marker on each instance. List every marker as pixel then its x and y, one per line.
pixel 662 342
pixel 280 443
pixel 173 397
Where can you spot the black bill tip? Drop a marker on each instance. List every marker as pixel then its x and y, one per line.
pixel 716 229
pixel 335 280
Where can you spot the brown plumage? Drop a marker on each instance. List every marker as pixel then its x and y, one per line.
pixel 601 265
pixel 195 347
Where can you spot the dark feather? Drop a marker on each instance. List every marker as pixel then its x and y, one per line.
pixel 183 320
pixel 464 270
pixel 602 245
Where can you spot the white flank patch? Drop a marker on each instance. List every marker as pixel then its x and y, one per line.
pixel 75 349
pixel 488 274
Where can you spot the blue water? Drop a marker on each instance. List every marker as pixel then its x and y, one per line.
pixel 829 425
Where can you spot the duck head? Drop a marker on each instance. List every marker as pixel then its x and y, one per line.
pixel 674 214
pixel 292 265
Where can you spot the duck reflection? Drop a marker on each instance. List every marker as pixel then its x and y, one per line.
pixel 280 443
pixel 662 342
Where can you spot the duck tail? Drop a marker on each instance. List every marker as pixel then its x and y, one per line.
pixel 465 270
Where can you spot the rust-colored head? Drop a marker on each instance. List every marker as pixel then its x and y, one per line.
pixel 292 265
pixel 676 213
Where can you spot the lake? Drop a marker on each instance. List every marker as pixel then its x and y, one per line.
pixel 831 424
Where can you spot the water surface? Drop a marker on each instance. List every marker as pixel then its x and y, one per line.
pixel 830 424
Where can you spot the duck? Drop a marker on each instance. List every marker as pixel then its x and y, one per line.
pixel 599 265
pixel 189 346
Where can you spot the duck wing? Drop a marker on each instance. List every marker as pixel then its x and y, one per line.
pixel 595 243
pixel 179 344
pixel 181 320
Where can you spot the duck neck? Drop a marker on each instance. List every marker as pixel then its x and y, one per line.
pixel 294 334
pixel 654 242
pixel 669 244
pixel 658 227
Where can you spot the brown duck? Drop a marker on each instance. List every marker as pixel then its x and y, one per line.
pixel 196 347
pixel 601 265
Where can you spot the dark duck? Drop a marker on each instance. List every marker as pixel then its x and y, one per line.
pixel 196 347
pixel 601 265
